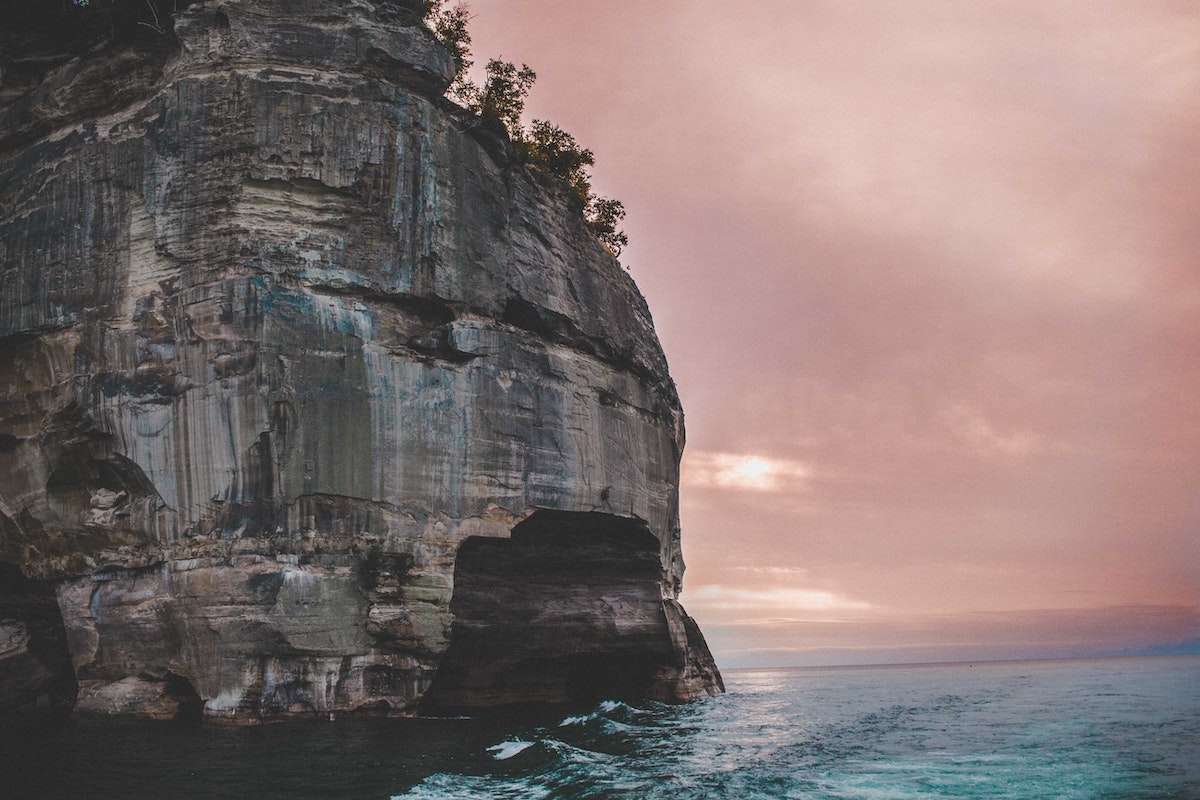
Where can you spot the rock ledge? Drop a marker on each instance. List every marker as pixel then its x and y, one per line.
pixel 307 404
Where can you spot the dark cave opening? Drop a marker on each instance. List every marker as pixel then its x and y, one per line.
pixel 191 705
pixel 36 674
pixel 569 611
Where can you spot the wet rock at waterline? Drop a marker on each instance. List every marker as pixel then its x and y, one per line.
pixel 295 375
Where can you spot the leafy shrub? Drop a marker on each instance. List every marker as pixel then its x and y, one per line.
pixel 555 152
pixel 502 95
pixel 603 215
pixel 449 25
pixel 544 146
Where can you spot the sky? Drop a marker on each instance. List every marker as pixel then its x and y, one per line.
pixel 927 274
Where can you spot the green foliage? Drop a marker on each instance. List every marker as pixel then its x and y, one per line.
pixel 544 146
pixel 503 94
pixel 449 25
pixel 603 215
pixel 555 152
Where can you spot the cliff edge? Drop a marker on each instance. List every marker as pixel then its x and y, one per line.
pixel 311 404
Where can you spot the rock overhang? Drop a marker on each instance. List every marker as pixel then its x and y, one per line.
pixel 281 316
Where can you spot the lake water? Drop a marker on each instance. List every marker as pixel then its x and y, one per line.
pixel 1100 728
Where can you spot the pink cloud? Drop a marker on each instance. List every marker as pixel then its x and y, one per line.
pixel 943 255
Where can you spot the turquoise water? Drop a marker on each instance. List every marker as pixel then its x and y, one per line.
pixel 1104 728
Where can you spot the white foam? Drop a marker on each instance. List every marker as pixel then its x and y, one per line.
pixel 506 750
pixel 576 720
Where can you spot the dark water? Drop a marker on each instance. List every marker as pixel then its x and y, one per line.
pixel 1105 728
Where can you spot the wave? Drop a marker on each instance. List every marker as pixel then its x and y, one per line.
pixel 580 720
pixel 506 750
pixel 907 734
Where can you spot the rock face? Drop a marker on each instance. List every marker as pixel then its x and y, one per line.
pixel 309 402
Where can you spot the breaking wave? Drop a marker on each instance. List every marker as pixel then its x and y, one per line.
pixel 506 750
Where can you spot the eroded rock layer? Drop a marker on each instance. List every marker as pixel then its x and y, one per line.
pixel 280 344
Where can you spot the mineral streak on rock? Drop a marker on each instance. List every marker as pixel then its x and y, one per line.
pixel 308 400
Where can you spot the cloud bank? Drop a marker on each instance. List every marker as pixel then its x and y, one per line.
pixel 928 277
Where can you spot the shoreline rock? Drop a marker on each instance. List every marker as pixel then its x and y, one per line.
pixel 277 340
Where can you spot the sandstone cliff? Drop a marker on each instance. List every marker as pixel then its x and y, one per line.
pixel 310 403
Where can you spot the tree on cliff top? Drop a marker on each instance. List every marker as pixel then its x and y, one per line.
pixel 449 25
pixel 502 95
pixel 544 146
pixel 553 151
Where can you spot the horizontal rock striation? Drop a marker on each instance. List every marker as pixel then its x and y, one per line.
pixel 286 358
